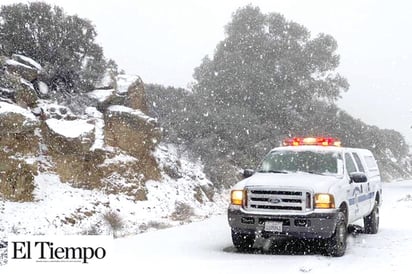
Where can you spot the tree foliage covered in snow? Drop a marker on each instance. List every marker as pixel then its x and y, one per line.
pixel 261 79
pixel 266 59
pixel 63 44
pixel 267 80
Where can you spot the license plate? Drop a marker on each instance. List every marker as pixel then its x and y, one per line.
pixel 273 226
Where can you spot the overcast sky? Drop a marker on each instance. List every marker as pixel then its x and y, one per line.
pixel 163 41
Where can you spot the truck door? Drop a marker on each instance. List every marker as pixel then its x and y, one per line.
pixel 354 190
pixel 365 203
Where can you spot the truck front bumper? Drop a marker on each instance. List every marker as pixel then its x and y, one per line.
pixel 310 226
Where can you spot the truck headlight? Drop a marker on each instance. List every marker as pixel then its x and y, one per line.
pixel 236 197
pixel 324 200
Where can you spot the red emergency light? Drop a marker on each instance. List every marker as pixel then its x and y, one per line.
pixel 312 141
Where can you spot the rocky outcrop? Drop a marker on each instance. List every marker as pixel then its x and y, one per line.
pixel 16 78
pixel 135 97
pixel 110 150
pixel 18 142
pixel 130 93
pixel 23 70
pixel 77 170
pixel 17 180
pixel 135 133
pixel 124 130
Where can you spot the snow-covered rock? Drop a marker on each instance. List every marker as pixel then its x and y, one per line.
pixel 97 117
pixel 17 142
pixel 7 109
pixel 101 95
pixel 129 92
pixel 124 82
pixel 70 128
pixel 55 110
pixel 43 88
pixel 19 72
pixel 134 112
pixel 27 61
pixel 25 71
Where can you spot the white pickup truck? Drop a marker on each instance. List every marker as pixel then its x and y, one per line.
pixel 311 188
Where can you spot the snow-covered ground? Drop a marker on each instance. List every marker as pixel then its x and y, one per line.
pixel 205 247
pixel 60 208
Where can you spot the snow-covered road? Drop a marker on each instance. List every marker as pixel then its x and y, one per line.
pixel 206 247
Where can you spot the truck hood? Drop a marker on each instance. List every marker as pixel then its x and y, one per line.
pixel 314 182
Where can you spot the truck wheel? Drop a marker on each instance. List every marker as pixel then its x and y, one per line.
pixel 242 241
pixel 371 222
pixel 336 245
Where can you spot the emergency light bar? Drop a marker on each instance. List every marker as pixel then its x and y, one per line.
pixel 312 141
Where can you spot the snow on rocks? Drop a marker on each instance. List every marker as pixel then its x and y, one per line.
pixel 101 95
pixel 12 62
pixel 119 159
pixel 107 81
pixel 7 108
pixel 97 117
pixel 70 128
pixel 124 82
pixel 43 88
pixel 26 83
pixel 25 70
pixel 54 110
pixel 26 60
pixel 135 112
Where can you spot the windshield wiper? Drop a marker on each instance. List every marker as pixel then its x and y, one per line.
pixel 316 172
pixel 273 171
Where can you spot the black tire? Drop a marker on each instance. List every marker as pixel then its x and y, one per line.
pixel 371 222
pixel 336 245
pixel 242 241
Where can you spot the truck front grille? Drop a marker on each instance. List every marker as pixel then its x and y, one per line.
pixel 278 200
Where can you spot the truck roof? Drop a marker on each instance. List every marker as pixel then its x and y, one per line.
pixel 322 149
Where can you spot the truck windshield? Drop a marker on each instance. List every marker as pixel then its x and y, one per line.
pixel 316 162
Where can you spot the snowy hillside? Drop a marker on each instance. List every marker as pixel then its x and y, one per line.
pixel 101 169
pixel 59 208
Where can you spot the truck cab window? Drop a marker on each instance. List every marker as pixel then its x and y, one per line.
pixel 358 162
pixel 350 165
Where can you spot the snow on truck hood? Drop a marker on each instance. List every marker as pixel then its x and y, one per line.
pixel 315 182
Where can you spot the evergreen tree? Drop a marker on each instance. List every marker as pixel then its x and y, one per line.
pixel 64 45
pixel 257 86
pixel 269 65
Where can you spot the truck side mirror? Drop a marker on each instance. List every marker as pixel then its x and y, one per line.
pixel 247 173
pixel 358 177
